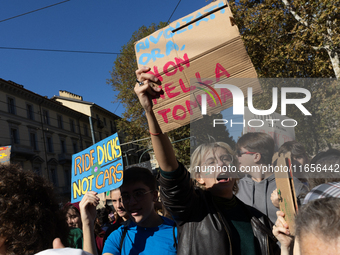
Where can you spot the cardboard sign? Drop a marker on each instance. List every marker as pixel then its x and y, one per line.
pixel 285 189
pixel 204 46
pixel 266 124
pixel 5 154
pixel 98 168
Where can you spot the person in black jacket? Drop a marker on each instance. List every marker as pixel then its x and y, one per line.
pixel 213 220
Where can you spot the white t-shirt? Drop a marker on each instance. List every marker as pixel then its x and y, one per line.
pixel 63 251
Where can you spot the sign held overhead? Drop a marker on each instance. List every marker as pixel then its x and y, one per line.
pixel 98 168
pixel 195 52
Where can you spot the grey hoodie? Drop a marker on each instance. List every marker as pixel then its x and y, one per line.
pixel 257 194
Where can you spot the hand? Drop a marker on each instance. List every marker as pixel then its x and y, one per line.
pixel 275 198
pixel 281 232
pixel 88 207
pixel 147 89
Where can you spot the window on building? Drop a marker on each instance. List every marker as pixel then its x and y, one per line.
pixel 113 127
pixel 100 136
pixel 30 112
pixel 36 164
pixel 86 131
pixel 11 105
pixel 49 142
pixel 100 123
pixel 67 177
pixel 14 136
pixel 104 121
pixel 72 127
pixel 63 146
pixel 46 117
pixel 33 141
pixel 60 121
pixel 75 146
pixel 37 170
pixel 54 177
pixel 88 144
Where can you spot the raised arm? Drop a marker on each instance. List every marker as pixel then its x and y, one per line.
pixel 281 232
pixel 88 215
pixel 161 144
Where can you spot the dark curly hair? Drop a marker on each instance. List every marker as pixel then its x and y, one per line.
pixel 30 218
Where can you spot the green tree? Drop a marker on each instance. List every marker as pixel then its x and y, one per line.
pixel 123 79
pixel 296 39
pixel 203 132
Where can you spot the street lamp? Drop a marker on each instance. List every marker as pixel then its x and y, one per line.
pixel 126 155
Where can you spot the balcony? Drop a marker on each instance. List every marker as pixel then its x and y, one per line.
pixel 65 158
pixel 18 150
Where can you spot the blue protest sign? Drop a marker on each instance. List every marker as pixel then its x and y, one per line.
pixel 98 168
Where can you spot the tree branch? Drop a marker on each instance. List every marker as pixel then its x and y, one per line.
pixel 296 16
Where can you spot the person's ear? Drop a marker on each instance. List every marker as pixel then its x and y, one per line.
pixel 257 157
pixel 155 196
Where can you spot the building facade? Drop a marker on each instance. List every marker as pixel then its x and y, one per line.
pixel 44 133
pixel 102 124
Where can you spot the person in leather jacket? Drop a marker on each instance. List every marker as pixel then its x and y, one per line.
pixel 213 220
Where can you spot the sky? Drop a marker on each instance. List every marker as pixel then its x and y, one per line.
pixel 75 25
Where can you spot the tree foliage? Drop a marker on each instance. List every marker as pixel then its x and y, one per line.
pixel 203 132
pixel 123 80
pixel 296 39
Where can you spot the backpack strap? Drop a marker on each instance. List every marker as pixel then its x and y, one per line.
pixel 122 239
pixel 125 229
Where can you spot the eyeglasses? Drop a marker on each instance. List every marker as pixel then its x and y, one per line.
pixel 226 159
pixel 240 153
pixel 138 195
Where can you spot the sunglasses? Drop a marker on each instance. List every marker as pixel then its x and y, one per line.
pixel 240 153
pixel 138 195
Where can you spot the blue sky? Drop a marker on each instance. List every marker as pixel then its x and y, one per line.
pixel 234 130
pixel 75 25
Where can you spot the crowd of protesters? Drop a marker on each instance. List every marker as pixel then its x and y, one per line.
pixel 202 212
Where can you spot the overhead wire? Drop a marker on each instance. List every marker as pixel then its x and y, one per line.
pixel 34 11
pixel 174 11
pixel 167 23
pixel 116 108
pixel 70 51
pixel 52 50
pixel 67 51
